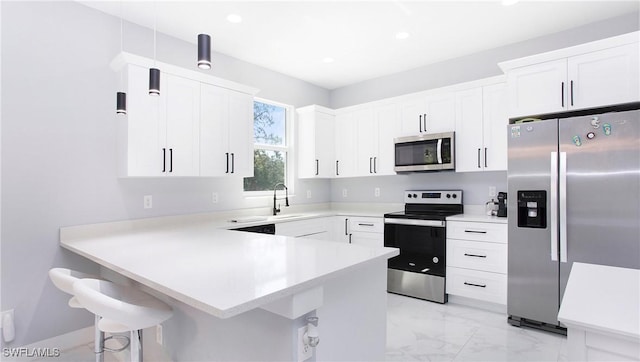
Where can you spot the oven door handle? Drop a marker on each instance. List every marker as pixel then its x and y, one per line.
pixel 434 223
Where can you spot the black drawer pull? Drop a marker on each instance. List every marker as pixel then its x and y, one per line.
pixel 475 231
pixel 475 255
pixel 476 285
pixel 365 224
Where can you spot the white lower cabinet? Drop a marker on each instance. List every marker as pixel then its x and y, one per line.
pixel 477 260
pixel 316 228
pixel 367 231
pixel 341 229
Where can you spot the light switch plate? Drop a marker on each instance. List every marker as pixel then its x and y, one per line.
pixel 344 192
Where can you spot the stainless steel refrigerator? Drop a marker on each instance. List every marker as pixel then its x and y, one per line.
pixel 574 196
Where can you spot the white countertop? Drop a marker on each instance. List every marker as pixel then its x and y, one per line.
pixel 221 272
pixel 602 298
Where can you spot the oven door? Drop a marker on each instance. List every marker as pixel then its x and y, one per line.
pixel 422 245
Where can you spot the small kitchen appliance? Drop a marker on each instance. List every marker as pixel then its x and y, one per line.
pixel 426 152
pixel 420 233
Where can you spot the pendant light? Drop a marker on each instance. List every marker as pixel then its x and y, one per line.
pixel 204 51
pixel 154 73
pixel 121 97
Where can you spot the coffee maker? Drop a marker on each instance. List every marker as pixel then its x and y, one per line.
pixel 502 204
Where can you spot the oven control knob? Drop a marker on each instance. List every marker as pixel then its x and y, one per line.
pixel 409 196
pixel 415 196
pixel 455 196
pixel 435 260
pixel 448 196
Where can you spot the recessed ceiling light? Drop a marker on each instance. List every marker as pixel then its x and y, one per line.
pixel 328 60
pixel 402 35
pixel 509 2
pixel 234 18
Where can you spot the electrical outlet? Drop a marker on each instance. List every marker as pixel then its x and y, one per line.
pixel 214 197
pixel 376 192
pixel 344 192
pixel 308 194
pixel 492 191
pixel 159 334
pixel 305 351
pixel 148 201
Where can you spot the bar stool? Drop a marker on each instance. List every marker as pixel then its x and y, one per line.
pixel 64 279
pixel 123 309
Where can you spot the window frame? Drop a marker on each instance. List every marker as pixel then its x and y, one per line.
pixel 288 149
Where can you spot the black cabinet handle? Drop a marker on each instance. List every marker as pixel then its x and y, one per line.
pixel 425 122
pixel 485 157
pixel 171 160
pixel 337 169
pixel 317 167
pixel 370 169
pixel 362 224
pixel 476 285
pixel 374 164
pixel 478 158
pixel 420 123
pixel 562 94
pixel 571 92
pixel 475 255
pixel 475 231
pixel 346 222
pixel 233 162
pixel 164 160
pixel 227 153
pixel 349 238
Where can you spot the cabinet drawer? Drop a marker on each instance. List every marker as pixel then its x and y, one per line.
pixel 490 287
pixel 366 225
pixel 478 255
pixel 303 228
pixel 480 231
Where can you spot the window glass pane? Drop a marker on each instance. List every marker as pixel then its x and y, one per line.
pixel 268 170
pixel 269 124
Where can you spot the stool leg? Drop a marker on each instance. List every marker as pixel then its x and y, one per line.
pixel 98 341
pixel 136 346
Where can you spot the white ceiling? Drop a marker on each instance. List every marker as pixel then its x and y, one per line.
pixel 293 37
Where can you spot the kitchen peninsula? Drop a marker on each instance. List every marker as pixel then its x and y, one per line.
pixel 243 296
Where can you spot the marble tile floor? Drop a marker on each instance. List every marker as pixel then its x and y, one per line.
pixel 418 330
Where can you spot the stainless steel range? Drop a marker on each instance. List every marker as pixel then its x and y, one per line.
pixel 420 233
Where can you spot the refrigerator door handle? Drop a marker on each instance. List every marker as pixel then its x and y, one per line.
pixel 563 207
pixel 554 206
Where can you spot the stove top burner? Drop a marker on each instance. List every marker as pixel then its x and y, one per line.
pixel 429 205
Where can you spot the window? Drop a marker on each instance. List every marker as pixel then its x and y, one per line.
pixel 271 146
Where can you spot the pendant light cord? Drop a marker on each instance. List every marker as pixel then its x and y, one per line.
pixel 121 43
pixel 155 19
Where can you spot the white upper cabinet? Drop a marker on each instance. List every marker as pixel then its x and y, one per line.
pixel 481 128
pixel 160 133
pixel 226 132
pixel 316 146
pixel 367 141
pixel 595 74
pixel 198 126
pixel 432 113
pixel 387 117
pixel 346 142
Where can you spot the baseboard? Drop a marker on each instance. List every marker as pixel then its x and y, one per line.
pixel 66 341
pixel 475 303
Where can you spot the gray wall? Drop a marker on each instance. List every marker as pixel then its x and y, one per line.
pixel 477 66
pixel 58 148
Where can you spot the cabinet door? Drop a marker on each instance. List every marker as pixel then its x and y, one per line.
pixel 494 124
pixel 604 77
pixel 346 145
pixel 367 131
pixel 368 239
pixel 307 158
pixel 214 136
pixel 412 110
pixel 387 117
pixel 468 140
pixel 538 89
pixel 145 132
pixel 341 229
pixel 440 113
pixel 325 145
pixel 240 134
pixel 182 126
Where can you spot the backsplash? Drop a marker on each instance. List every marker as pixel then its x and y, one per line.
pixel 474 184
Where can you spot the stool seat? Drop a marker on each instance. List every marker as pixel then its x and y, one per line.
pixel 64 278
pixel 120 304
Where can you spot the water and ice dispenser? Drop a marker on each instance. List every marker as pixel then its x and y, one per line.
pixel 532 209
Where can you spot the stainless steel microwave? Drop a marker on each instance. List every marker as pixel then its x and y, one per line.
pixel 426 152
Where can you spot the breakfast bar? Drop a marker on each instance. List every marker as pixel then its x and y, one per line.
pixel 231 290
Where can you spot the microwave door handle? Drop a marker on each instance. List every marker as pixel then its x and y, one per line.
pixel 439 150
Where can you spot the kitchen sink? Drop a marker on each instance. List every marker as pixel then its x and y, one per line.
pixel 290 216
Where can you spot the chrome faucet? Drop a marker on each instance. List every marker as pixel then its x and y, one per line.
pixel 276 210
